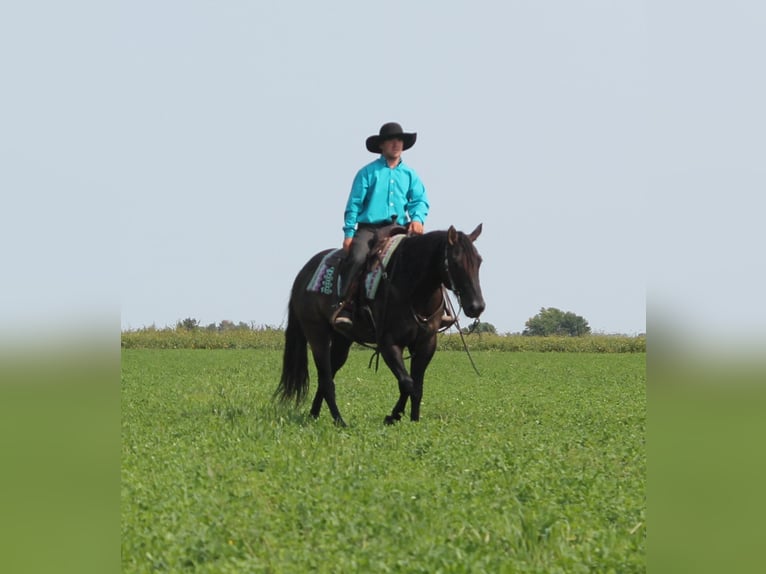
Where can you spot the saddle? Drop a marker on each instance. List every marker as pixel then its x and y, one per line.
pixel 380 254
pixel 386 232
pixel 386 240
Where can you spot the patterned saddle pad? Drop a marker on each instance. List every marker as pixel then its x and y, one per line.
pixel 325 278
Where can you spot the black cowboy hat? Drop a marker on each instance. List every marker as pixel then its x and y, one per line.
pixel 389 131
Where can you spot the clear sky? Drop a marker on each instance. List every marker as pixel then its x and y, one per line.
pixel 247 124
pixel 186 158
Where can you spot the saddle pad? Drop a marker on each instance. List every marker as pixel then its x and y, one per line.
pixel 372 279
pixel 325 277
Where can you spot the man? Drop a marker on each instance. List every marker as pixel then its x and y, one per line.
pixel 384 191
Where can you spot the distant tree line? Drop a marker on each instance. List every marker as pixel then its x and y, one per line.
pixel 190 324
pixel 549 322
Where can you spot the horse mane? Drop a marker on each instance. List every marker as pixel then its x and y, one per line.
pixel 418 257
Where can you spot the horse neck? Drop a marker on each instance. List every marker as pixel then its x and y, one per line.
pixel 421 258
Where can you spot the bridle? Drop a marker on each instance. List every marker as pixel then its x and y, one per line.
pixel 450 283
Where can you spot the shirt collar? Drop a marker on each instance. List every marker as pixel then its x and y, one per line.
pixel 383 160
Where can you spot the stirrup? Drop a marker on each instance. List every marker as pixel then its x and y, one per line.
pixel 342 316
pixel 447 321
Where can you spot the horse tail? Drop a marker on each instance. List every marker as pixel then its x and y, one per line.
pixel 295 367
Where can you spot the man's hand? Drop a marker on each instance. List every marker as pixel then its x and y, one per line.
pixel 415 228
pixel 347 243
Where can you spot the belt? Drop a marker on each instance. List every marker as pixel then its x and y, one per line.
pixel 377 225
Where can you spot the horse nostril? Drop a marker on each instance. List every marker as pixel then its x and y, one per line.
pixel 475 309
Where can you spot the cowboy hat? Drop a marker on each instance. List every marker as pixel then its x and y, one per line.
pixel 389 131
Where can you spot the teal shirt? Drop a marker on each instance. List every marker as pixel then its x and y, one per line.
pixel 380 192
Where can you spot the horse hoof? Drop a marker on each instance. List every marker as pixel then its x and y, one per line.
pixel 339 422
pixel 391 419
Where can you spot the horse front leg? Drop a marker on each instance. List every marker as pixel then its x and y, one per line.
pixel 421 357
pixel 398 410
pixel 392 355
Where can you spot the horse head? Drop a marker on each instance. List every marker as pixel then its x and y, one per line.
pixel 462 262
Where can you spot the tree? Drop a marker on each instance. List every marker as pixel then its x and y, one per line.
pixel 552 321
pixel 189 324
pixel 481 328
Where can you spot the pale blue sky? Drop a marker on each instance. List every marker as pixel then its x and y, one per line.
pixel 249 125
pixel 185 158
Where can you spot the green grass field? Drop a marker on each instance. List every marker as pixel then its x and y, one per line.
pixel 539 465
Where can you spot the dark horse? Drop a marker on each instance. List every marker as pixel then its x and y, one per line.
pixel 406 313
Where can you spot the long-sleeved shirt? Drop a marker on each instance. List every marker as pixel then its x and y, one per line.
pixel 380 192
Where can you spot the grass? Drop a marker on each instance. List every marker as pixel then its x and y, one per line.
pixel 538 465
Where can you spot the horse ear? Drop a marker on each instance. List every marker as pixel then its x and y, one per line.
pixel 475 233
pixel 452 235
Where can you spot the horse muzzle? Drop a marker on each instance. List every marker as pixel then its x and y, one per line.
pixel 474 308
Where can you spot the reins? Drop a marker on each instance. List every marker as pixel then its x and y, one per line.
pixel 460 331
